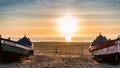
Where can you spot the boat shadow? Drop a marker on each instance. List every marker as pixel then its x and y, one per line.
pixel 8 60
pixel 107 62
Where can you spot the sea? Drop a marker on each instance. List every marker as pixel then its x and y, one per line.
pixel 61 39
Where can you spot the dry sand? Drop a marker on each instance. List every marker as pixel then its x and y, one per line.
pixel 59 55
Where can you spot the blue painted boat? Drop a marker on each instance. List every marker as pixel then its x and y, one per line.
pixel 15 50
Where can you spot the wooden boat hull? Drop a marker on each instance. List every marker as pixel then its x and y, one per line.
pixel 107 54
pixel 7 55
pixel 114 57
pixel 105 50
pixel 10 52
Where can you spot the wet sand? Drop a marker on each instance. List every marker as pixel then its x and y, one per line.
pixel 59 55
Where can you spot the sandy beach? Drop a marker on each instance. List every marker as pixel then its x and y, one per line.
pixel 59 55
pixel 61 32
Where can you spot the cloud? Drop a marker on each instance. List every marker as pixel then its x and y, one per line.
pixel 97 3
pixel 63 3
pixel 9 3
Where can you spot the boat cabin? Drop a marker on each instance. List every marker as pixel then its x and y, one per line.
pixel 25 41
pixel 100 40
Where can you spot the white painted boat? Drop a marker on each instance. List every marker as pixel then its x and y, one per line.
pixel 105 50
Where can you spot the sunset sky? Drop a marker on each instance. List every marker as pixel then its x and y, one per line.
pixel 37 18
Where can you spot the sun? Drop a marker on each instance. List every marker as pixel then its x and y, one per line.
pixel 68 24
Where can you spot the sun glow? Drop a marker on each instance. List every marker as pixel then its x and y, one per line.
pixel 68 39
pixel 68 26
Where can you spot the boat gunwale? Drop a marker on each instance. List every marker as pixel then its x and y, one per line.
pixel 28 48
pixel 102 46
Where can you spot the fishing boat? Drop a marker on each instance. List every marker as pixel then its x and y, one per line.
pixel 15 50
pixel 105 50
